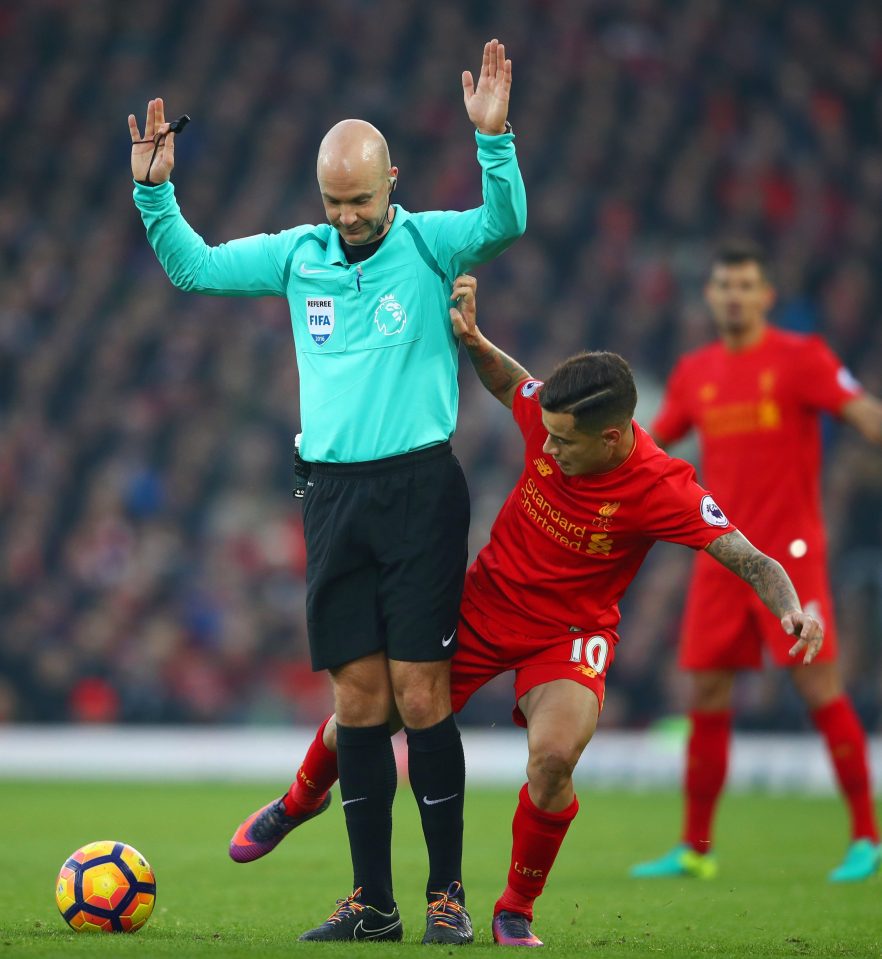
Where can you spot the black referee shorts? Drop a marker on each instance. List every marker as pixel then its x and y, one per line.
pixel 386 553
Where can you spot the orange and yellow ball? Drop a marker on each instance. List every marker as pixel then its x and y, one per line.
pixel 106 886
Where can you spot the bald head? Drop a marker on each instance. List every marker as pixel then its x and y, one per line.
pixel 356 179
pixel 353 148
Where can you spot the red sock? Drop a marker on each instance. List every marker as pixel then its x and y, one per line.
pixel 537 837
pixel 707 759
pixel 316 775
pixel 839 725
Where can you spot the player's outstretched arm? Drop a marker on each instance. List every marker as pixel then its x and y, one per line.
pixel 499 373
pixel 155 129
pixel 772 584
pixel 864 413
pixel 487 103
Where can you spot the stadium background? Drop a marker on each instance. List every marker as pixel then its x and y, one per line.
pixel 151 560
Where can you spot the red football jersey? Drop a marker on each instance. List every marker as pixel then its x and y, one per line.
pixel 563 549
pixel 757 416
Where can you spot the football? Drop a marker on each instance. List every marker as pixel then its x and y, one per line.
pixel 106 886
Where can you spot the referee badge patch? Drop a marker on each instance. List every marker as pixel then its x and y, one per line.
pixel 320 317
pixel 711 513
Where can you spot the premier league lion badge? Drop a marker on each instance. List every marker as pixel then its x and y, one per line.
pixel 390 317
pixel 711 513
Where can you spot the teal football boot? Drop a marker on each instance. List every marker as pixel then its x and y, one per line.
pixel 862 860
pixel 682 860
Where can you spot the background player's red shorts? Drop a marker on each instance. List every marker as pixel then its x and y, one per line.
pixel 726 624
pixel 486 648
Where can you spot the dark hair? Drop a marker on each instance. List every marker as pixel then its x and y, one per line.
pixel 738 251
pixel 597 388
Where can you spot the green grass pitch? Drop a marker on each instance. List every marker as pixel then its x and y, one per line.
pixel 771 898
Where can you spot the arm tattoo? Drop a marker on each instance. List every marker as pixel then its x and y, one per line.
pixel 497 371
pixel 764 574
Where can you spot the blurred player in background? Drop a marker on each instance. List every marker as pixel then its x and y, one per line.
pixel 386 508
pixel 756 399
pixel 542 596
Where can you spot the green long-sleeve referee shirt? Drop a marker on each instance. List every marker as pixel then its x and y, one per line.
pixel 375 350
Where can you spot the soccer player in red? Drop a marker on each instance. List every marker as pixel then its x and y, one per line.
pixel 542 596
pixel 756 398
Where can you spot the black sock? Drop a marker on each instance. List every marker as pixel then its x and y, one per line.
pixel 367 787
pixel 437 776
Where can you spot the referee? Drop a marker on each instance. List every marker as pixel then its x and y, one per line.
pixel 386 509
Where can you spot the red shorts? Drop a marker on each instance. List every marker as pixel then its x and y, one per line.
pixel 726 625
pixel 486 648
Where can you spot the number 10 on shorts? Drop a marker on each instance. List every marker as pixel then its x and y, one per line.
pixel 595 650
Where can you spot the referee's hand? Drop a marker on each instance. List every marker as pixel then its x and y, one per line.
pixel 487 103
pixel 155 128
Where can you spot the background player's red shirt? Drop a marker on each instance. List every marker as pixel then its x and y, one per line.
pixel 757 416
pixel 563 549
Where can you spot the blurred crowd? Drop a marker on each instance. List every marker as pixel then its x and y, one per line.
pixel 151 555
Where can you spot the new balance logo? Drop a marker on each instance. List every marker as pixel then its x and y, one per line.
pixel 434 802
pixel 543 467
